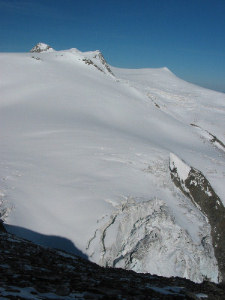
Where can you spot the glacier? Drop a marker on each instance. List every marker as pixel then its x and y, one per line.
pixel 81 139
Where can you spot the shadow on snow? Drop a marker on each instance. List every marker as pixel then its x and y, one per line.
pixel 51 241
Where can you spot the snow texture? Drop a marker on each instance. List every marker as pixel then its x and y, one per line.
pixel 76 141
pixel 144 237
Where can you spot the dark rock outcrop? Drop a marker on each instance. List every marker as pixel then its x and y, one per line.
pixel 2 228
pixel 201 193
pixel 29 271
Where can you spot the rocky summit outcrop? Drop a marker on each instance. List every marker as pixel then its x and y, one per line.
pixel 96 59
pixel 101 58
pixel 41 47
pixel 195 185
pixel 29 271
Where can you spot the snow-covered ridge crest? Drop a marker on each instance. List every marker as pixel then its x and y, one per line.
pixel 97 59
pixel 42 47
pixel 181 167
pixel 92 58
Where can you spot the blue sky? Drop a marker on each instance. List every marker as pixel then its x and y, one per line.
pixel 187 36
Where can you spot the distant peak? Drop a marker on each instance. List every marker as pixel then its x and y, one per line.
pixel 166 69
pixel 42 47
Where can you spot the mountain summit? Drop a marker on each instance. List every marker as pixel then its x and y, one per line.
pixel 41 47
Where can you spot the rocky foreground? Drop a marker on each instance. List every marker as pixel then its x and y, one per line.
pixel 30 271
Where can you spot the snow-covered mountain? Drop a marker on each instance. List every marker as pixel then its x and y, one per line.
pixel 41 47
pixel 86 152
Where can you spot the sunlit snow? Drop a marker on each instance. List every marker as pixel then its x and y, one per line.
pixel 76 141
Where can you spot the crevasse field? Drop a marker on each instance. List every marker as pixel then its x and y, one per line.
pixel 84 155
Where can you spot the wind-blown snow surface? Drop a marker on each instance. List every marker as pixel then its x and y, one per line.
pixel 77 143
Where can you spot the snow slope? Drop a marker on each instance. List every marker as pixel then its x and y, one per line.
pixel 77 142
